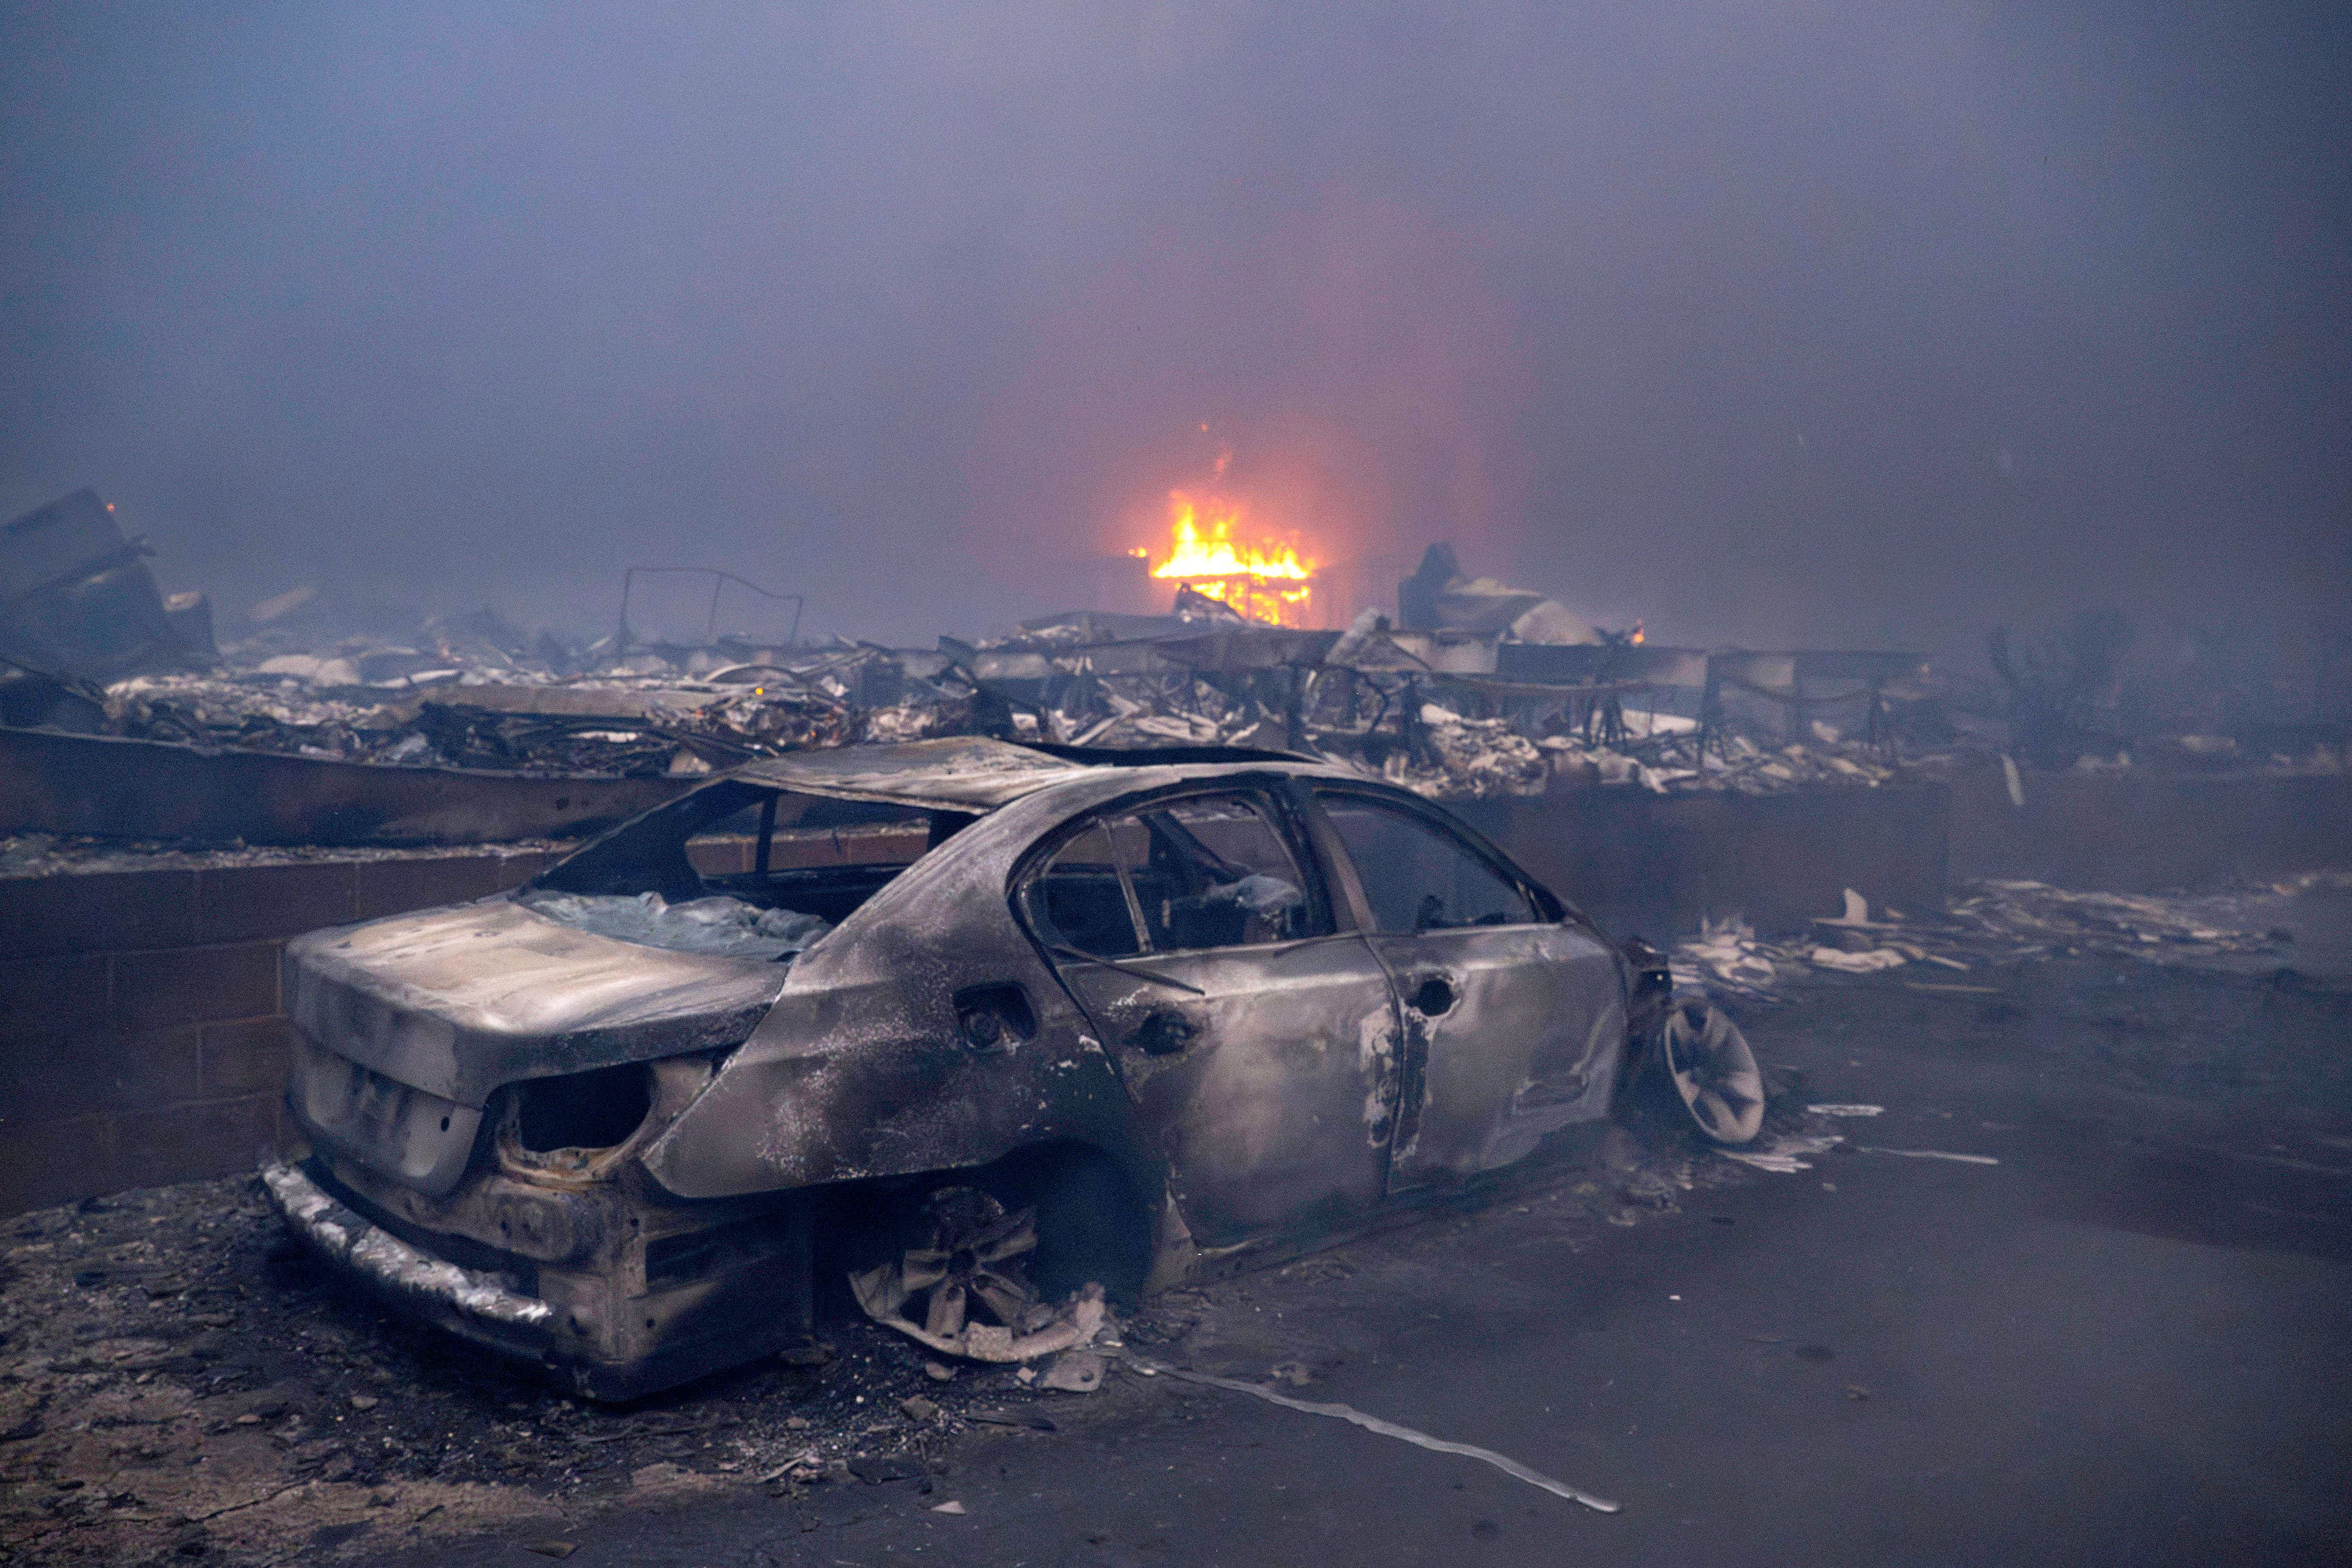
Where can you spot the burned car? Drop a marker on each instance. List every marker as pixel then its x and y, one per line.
pixel 1064 1018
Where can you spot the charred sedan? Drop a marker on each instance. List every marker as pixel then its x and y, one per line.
pixel 1059 1017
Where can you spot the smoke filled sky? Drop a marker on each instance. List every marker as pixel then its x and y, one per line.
pixel 1773 323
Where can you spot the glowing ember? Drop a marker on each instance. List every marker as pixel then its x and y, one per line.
pixel 1265 580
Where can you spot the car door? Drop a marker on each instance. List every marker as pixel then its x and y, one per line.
pixel 1513 1022
pixel 1255 1035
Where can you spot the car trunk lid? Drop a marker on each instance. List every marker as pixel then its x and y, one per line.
pixel 457 1001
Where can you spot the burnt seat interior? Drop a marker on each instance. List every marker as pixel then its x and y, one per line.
pixel 770 847
pixel 1171 888
pixel 1181 885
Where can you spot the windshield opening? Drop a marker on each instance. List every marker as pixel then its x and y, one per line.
pixel 739 869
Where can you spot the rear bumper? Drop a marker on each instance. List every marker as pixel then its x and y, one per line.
pixel 696 1327
pixel 341 1235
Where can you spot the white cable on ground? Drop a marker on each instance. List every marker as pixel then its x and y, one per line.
pixel 1508 1466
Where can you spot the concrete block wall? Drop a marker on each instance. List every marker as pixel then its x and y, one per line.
pixel 2144 831
pixel 1654 865
pixel 141 1036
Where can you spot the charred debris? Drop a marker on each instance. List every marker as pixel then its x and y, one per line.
pixel 78 608
pixel 1477 689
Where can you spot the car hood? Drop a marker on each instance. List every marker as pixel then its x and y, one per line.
pixel 456 1001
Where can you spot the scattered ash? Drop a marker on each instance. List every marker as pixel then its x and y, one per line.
pixel 182 1381
pixel 2214 1034
pixel 1995 925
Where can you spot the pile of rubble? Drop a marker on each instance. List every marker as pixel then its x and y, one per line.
pixel 1477 758
pixel 1481 692
pixel 2012 920
pixel 53 855
pixel 475 692
pixel 1364 699
pixel 479 702
pixel 646 716
pixel 91 646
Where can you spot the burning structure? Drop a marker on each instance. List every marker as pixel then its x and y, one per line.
pixel 1210 550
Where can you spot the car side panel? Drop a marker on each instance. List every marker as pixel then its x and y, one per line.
pixel 1527 1042
pixel 1268 1085
pixel 1523 1034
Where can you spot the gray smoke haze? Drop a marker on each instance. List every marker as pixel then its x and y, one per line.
pixel 1812 322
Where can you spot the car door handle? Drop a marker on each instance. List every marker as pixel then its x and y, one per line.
pixel 1431 994
pixel 1164 1033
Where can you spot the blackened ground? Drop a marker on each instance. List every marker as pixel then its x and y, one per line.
pixel 2125 1342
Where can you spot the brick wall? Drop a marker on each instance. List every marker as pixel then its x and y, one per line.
pixel 141 1039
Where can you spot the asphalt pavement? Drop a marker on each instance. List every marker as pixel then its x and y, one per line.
pixel 2126 1342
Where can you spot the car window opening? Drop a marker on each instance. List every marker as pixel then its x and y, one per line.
pixel 1416 876
pixel 740 870
pixel 1195 874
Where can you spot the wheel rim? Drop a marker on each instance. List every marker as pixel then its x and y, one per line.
pixel 974 1258
pixel 1714 1072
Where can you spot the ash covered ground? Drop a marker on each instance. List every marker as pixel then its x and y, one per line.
pixel 184 1380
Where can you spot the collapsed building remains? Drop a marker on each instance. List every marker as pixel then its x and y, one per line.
pixel 1453 712
pixel 1476 691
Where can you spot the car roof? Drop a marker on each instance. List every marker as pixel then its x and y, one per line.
pixel 962 773
pixel 975 773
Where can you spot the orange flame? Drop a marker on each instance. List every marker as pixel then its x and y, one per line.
pixel 1266 579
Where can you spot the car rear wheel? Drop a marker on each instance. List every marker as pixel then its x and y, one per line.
pixel 1705 1060
pixel 973 1261
pixel 1011 1244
